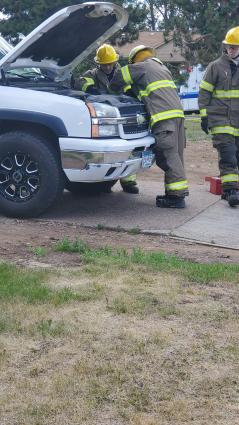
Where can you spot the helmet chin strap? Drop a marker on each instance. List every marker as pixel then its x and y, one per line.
pixel 236 60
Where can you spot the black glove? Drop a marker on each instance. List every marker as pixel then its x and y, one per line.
pixel 204 124
pixel 130 93
pixel 93 90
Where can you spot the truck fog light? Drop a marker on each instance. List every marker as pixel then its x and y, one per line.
pixel 108 130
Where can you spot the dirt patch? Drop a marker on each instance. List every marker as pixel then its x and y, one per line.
pixel 19 238
pixel 20 241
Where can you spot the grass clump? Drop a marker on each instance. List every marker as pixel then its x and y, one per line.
pixel 29 286
pixel 134 231
pixel 66 245
pixel 141 304
pixel 100 226
pixel 193 129
pixel 39 251
pixel 10 325
pixel 50 327
pixel 155 261
pixel 195 272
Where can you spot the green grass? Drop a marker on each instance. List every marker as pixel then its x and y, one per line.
pixel 29 286
pixel 158 261
pixel 10 325
pixel 40 251
pixel 67 245
pixel 152 344
pixel 193 129
pixel 155 261
pixel 134 231
pixel 44 328
pixel 100 227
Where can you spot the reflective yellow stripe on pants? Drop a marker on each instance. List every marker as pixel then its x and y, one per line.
pixel 230 178
pixel 182 185
pixel 203 113
pixel 128 179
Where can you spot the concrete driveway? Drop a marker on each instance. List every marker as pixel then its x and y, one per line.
pixel 206 219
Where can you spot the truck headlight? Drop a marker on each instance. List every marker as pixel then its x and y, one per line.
pixel 104 120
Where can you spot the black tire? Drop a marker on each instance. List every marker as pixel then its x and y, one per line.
pixel 78 188
pixel 31 178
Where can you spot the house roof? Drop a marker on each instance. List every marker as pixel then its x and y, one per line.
pixel 165 48
pixel 148 38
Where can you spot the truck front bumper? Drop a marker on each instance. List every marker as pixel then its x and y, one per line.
pixel 92 160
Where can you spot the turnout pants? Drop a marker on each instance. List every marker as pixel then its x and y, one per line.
pixel 169 146
pixel 128 181
pixel 228 159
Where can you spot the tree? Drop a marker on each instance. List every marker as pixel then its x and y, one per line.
pixel 161 13
pixel 151 5
pixel 24 15
pixel 137 21
pixel 199 28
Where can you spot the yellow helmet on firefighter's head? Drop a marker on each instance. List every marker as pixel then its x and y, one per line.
pixel 232 37
pixel 106 54
pixel 140 53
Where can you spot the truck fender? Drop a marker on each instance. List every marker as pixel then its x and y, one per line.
pixel 55 124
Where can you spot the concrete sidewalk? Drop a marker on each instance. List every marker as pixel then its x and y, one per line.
pixel 206 219
pixel 218 225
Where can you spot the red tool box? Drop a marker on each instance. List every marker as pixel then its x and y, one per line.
pixel 215 185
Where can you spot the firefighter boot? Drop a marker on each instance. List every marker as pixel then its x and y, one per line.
pixel 130 187
pixel 170 202
pixel 224 196
pixel 233 197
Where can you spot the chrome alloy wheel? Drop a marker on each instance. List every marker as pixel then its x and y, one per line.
pixel 19 177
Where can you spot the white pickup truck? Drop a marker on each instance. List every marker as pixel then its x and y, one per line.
pixel 53 137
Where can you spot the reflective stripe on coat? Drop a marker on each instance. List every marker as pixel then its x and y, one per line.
pixel 96 78
pixel 152 82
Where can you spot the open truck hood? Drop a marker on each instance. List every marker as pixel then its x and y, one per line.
pixel 67 37
pixel 5 47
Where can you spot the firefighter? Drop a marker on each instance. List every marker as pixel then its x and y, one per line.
pixel 219 109
pixel 96 81
pixel 152 82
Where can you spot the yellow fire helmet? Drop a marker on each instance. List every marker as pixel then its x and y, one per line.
pixel 106 54
pixel 232 37
pixel 146 52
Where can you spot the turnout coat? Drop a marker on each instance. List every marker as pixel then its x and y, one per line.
pixel 219 96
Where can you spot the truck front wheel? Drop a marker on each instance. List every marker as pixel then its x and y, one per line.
pixel 31 177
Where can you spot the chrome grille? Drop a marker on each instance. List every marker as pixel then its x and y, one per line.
pixel 136 118
pixel 135 128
